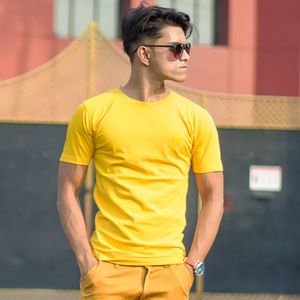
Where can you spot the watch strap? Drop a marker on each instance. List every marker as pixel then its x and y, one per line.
pixel 191 261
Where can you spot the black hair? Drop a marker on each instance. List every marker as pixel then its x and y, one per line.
pixel 145 22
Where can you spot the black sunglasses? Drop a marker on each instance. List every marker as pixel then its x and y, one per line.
pixel 176 48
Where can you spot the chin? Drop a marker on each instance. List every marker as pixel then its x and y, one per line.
pixel 178 78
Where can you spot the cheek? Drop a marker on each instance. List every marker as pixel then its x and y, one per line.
pixel 170 56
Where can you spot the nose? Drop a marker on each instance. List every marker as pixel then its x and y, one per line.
pixel 185 56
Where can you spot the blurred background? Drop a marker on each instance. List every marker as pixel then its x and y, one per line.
pixel 244 69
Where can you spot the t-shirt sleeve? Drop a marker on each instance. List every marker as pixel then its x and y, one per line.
pixel 79 144
pixel 206 155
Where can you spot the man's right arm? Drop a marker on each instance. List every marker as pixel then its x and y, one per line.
pixel 70 179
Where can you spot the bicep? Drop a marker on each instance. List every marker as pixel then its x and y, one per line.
pixel 71 176
pixel 210 184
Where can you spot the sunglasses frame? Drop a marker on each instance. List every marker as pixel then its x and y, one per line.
pixel 187 47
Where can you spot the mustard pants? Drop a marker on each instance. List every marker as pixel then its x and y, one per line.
pixel 116 282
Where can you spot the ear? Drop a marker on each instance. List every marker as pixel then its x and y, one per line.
pixel 143 55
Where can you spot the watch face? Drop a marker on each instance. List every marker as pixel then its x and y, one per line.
pixel 199 268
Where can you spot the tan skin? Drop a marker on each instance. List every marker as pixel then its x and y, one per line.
pixel 151 66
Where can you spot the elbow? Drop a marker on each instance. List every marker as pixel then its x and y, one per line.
pixel 215 203
pixel 220 202
pixel 222 210
pixel 60 197
pixel 66 196
pixel 58 202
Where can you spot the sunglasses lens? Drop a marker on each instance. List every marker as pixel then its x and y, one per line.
pixel 188 48
pixel 179 48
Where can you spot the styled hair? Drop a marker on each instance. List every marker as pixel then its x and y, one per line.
pixel 146 22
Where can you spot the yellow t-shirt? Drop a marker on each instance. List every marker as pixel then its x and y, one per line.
pixel 142 153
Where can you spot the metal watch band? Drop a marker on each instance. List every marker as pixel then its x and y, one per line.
pixel 198 266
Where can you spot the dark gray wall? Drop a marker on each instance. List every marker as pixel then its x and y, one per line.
pixel 257 248
pixel 33 251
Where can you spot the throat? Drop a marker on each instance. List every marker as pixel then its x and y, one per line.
pixel 145 93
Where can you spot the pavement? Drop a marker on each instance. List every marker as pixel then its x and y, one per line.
pixel 41 294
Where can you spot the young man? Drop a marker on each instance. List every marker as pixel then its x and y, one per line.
pixel 142 139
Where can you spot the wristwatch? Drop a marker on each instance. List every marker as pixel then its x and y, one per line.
pixel 198 266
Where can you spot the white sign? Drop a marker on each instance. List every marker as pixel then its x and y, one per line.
pixel 265 178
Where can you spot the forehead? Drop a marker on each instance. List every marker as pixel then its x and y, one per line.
pixel 172 34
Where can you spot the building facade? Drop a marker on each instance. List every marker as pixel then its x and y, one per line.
pixel 241 47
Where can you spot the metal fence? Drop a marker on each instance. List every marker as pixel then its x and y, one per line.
pixel 92 64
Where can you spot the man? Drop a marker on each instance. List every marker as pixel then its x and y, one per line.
pixel 142 138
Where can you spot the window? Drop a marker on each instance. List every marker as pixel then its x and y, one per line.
pixel 208 16
pixel 71 17
pixel 221 22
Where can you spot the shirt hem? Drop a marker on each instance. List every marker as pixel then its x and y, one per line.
pixel 210 170
pixel 73 161
pixel 143 262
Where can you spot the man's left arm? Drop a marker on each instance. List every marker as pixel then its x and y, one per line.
pixel 210 187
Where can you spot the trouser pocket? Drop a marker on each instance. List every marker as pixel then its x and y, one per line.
pixel 189 273
pixel 184 277
pixel 88 275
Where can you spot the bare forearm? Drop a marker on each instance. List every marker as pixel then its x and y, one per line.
pixel 207 227
pixel 74 226
pixel 70 179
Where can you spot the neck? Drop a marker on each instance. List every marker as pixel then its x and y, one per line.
pixel 144 88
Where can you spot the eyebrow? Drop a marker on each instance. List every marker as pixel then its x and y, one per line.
pixel 172 43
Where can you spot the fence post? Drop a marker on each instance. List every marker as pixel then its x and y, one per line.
pixel 91 89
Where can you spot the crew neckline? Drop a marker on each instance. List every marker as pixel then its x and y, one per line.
pixel 128 99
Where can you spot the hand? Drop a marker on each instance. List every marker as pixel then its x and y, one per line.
pixel 87 264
